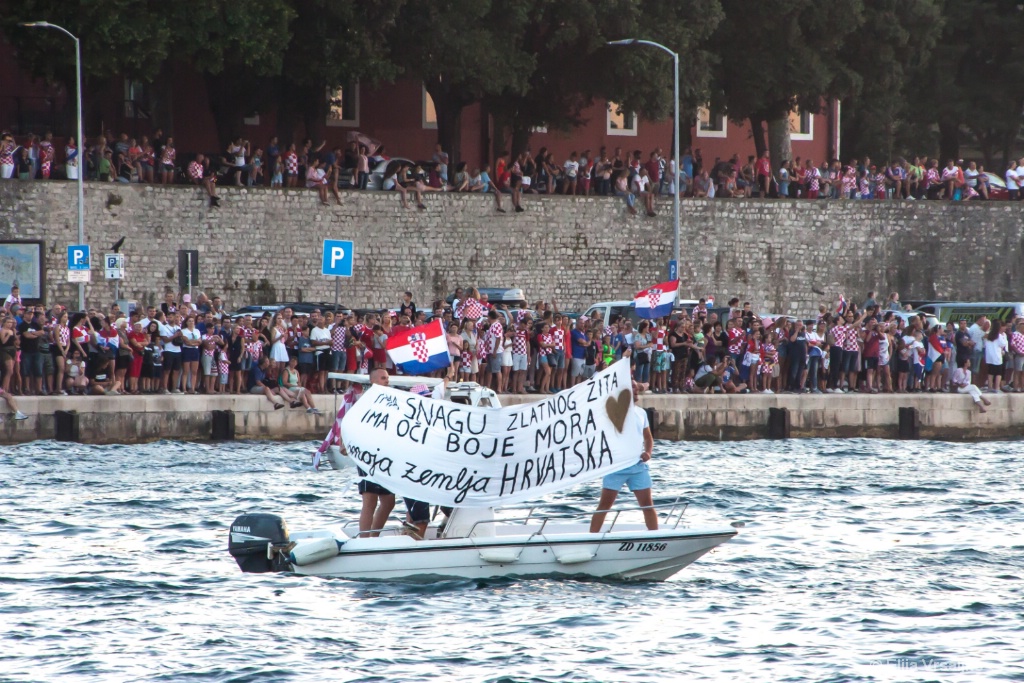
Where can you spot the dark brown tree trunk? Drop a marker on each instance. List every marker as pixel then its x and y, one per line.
pixel 780 144
pixel 313 105
pixel 226 107
pixel 757 134
pixel 520 139
pixel 949 141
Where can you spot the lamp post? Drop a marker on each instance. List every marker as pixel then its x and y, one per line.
pixel 675 145
pixel 80 139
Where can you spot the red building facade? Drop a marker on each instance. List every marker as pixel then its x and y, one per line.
pixel 400 115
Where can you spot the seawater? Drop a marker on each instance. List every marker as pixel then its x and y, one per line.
pixel 860 560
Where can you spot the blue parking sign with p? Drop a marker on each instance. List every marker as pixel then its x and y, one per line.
pixel 337 260
pixel 78 257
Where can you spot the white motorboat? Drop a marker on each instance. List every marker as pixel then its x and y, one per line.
pixel 474 544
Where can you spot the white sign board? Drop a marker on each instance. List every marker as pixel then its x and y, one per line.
pixel 113 265
pixel 453 454
pixel 79 276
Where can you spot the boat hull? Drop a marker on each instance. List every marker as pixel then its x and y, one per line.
pixel 625 555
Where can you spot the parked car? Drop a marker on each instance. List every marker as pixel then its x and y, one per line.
pixel 376 180
pixel 612 310
pixel 301 307
pixel 996 187
pixel 511 297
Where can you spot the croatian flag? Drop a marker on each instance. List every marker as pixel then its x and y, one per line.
pixel 421 349
pixel 656 301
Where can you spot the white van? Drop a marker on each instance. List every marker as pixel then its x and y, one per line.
pixel 953 311
pixel 610 310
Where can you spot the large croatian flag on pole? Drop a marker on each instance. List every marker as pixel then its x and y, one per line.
pixel 421 349
pixel 656 301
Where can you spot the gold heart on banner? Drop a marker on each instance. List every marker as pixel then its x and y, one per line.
pixel 618 408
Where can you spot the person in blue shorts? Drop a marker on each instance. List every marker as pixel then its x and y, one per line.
pixel 637 477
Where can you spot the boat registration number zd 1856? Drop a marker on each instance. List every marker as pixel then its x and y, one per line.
pixel 642 547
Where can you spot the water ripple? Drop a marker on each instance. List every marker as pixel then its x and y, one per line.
pixel 860 560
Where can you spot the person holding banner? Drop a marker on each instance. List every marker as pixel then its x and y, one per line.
pixel 637 477
pixel 378 502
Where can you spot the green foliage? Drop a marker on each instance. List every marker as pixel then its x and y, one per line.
pixel 775 55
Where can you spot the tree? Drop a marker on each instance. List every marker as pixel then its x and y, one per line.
pixel 225 40
pixel 896 37
pixel 973 78
pixel 462 50
pixel 573 66
pixel 779 55
pixel 338 42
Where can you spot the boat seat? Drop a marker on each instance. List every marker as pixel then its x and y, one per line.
pixel 461 523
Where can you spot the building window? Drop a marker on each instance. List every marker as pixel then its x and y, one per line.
pixel 343 105
pixel 134 99
pixel 429 112
pixel 801 125
pixel 538 129
pixel 252 120
pixel 620 121
pixel 710 124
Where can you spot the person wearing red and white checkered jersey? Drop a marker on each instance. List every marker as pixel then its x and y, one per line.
pixel 471 308
pixel 197 176
pixel 520 356
pixel 493 340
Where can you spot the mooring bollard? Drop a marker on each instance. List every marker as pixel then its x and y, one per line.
pixel 778 423
pixel 910 423
pixel 223 425
pixel 66 427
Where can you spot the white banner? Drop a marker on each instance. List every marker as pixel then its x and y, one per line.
pixel 452 454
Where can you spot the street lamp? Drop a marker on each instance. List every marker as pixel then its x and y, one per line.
pixel 675 146
pixel 80 140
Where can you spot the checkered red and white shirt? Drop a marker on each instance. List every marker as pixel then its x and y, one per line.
pixel 558 334
pixel 471 308
pixel 291 162
pixel 338 338
pixel 167 157
pixel 699 312
pixel 495 333
pixel 545 339
pixel 659 339
pixel 736 337
pixel 850 338
pixel 195 170
pixel 254 349
pixel 1017 343
pixel 521 342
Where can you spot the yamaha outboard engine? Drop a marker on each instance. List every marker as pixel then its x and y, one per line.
pixel 248 540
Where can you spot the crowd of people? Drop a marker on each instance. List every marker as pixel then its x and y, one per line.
pixel 192 347
pixel 636 177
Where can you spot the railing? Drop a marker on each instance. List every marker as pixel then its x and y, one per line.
pixel 677 504
pixel 675 509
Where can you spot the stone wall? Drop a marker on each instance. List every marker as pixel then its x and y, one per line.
pixel 264 245
pixel 135 419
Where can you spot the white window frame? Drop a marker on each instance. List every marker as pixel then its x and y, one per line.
pixel 539 129
pixel 427 125
pixel 253 120
pixel 723 123
pixel 629 132
pixel 809 135
pixel 130 110
pixel 345 123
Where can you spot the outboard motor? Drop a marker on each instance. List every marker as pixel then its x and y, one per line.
pixel 247 542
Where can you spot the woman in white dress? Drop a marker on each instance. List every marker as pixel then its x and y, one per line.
pixel 278 351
